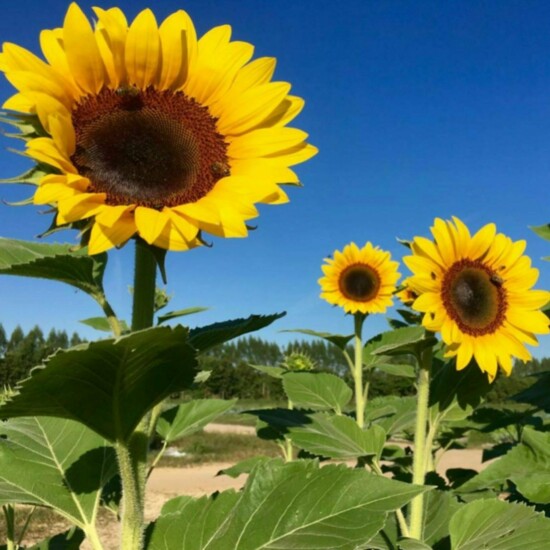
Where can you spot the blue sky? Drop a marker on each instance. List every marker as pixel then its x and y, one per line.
pixel 419 109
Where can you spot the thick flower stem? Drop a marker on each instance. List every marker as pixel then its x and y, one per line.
pixel 420 443
pixel 132 454
pixel 360 397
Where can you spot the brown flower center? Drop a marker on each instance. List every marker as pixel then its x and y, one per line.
pixel 474 297
pixel 150 148
pixel 359 282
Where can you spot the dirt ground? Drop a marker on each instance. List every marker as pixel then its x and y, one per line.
pixel 166 483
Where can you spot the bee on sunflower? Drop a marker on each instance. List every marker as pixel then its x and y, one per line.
pixel 476 291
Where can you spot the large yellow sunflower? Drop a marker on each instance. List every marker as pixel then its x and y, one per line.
pixel 359 280
pixel 476 291
pixel 150 130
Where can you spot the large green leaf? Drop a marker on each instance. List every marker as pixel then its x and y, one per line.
pixel 466 387
pixel 317 390
pixel 296 505
pixel 109 385
pixel 492 524
pixel 56 463
pixel 179 313
pixel 338 437
pixel 527 465
pixel 274 372
pixel 187 418
pixel 339 340
pixel 58 262
pixel 439 508
pixel 400 341
pixel 206 337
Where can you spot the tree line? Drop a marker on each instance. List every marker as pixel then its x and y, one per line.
pixel 229 364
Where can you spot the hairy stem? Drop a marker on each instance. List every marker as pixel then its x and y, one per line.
pixel 359 318
pixel 132 454
pixel 420 443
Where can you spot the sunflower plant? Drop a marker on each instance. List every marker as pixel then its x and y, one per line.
pixel 144 132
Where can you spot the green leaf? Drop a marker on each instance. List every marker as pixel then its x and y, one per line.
pixel 317 390
pixel 338 437
pixel 274 372
pixel 542 230
pixel 179 313
pixel 109 385
pixel 527 465
pixel 69 540
pixel 188 418
pixel 466 387
pixel 492 524
pixel 537 394
pixel 244 466
pixel 295 505
pixel 338 340
pixel 102 324
pixel 400 341
pixel 56 262
pixel 412 544
pixel 56 463
pixel 439 508
pixel 395 414
pixel 405 371
pixel 206 337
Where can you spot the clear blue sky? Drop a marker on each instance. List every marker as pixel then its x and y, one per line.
pixel 419 109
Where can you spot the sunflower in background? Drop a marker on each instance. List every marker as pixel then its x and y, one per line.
pixel 151 131
pixel 477 292
pixel 360 280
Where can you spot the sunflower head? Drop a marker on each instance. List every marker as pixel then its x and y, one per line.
pixel 149 131
pixel 406 294
pixel 296 361
pixel 476 291
pixel 360 280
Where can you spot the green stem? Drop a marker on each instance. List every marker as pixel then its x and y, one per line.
pixel 9 514
pixel 144 287
pixel 132 454
pixel 359 318
pixel 420 447
pixel 157 458
pixel 114 323
pixel 132 498
pixel 25 527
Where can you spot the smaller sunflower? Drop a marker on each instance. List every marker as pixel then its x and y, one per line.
pixel 359 280
pixel 406 294
pixel 477 292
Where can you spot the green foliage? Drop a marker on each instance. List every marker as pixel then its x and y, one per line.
pixel 190 417
pixel 333 436
pixel 55 463
pixel 527 465
pixel 69 540
pixel 109 385
pixel 496 525
pixel 58 262
pixel 320 391
pixel 179 313
pixel 294 505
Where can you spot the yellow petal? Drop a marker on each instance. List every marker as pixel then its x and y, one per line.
pixel 285 112
pixel 268 141
pixel 179 44
pixel 52 193
pixel 295 155
pixel 47 106
pixel 111 33
pixel 529 321
pixel 51 42
pixel 442 233
pixel 82 52
pixel 187 229
pixel 263 169
pixel 463 238
pixel 110 215
pixel 150 223
pixel 46 150
pixel 171 239
pixel 143 50
pixel 239 113
pixel 19 102
pixel 257 72
pixel 103 238
pixel 80 207
pixel 62 131
pixel 26 81
pixel 533 299
pixel 482 240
